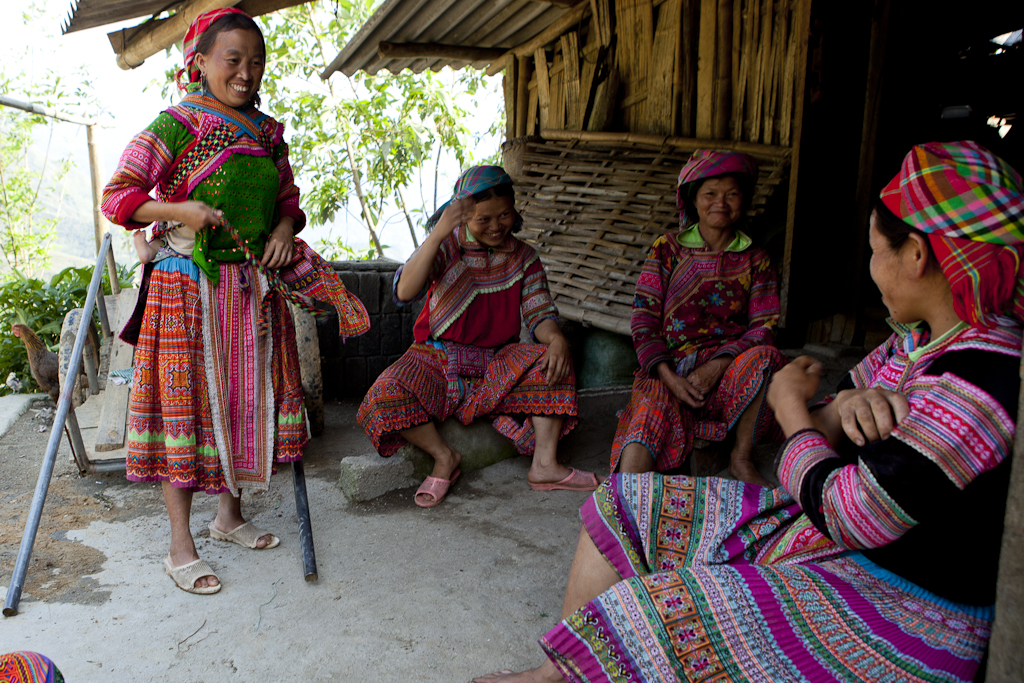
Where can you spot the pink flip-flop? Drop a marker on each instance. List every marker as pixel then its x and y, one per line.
pixel 578 480
pixel 436 488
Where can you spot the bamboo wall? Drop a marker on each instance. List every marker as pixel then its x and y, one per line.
pixel 708 69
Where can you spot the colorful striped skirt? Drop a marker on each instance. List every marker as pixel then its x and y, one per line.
pixel 726 581
pixel 416 390
pixel 667 429
pixel 216 396
pixel 28 667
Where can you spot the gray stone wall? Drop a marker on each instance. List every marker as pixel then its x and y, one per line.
pixel 350 368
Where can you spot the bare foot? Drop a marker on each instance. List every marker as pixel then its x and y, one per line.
pixel 745 470
pixel 184 555
pixel 545 673
pixel 226 526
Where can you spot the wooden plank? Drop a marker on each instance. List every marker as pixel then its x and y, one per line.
pixel 723 70
pixel 740 86
pixel 113 417
pixel 571 80
pixel 686 69
pixel 557 117
pixel 540 63
pixel 531 114
pixel 662 79
pixel 587 72
pixel 522 96
pixel 509 82
pixel 801 29
pixel 706 69
pixel 602 12
pixel 605 96
pixel 635 35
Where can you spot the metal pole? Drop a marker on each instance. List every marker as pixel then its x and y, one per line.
pixel 305 527
pixel 41 110
pixel 56 432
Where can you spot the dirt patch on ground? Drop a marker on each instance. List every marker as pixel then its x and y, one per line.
pixel 60 567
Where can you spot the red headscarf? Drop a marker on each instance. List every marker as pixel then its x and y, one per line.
pixel 969 203
pixel 195 31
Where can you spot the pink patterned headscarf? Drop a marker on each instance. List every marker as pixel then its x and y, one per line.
pixel 704 164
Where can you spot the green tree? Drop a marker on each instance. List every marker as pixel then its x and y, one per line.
pixel 362 136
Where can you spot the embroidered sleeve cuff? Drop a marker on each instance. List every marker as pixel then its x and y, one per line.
pixel 294 212
pixel 798 455
pixel 126 208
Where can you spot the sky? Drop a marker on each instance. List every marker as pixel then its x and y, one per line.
pixel 128 104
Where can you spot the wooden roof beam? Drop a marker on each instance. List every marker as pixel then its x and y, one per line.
pixel 462 53
pixel 159 34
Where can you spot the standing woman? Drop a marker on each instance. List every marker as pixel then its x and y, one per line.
pixel 216 397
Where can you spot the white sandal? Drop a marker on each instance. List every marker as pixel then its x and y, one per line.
pixel 245 535
pixel 186 575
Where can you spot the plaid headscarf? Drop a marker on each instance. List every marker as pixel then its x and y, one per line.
pixel 969 203
pixel 188 46
pixel 476 179
pixel 704 164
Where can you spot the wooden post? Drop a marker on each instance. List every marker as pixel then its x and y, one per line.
pixel 540 65
pixel 869 131
pixel 686 75
pixel 99 222
pixel 1006 648
pixel 160 34
pixel 706 69
pixel 802 28
pixel 522 94
pixel 723 69
pixel 662 78
pixel 511 62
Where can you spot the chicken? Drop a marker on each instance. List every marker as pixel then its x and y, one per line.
pixel 42 360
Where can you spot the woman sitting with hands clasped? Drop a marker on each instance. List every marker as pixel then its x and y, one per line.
pixel 481 284
pixel 705 307
pixel 877 558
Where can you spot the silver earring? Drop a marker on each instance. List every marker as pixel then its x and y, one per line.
pixel 206 85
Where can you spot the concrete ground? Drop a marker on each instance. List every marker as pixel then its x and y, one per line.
pixel 403 593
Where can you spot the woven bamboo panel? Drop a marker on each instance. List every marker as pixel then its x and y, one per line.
pixel 592 209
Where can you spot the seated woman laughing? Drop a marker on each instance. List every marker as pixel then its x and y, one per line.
pixel 481 283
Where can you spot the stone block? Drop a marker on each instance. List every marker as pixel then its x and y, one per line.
pixel 387 297
pixel 351 281
pixel 365 477
pixel 479 444
pixel 355 377
pixel 333 372
pixel 369 343
pixel 327 334
pixel 369 292
pixel 391 341
pixel 608 360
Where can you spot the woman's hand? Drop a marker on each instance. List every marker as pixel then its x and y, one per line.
pixel 457 213
pixel 869 415
pixel 791 388
pixel 196 215
pixel 680 387
pixel 706 377
pixel 556 361
pixel 280 245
